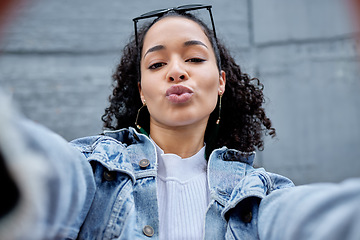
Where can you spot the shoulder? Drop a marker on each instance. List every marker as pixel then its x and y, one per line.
pixel 230 169
pixel 118 138
pixel 110 145
pixel 119 150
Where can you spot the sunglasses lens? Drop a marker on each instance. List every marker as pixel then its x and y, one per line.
pixel 190 7
pixel 153 13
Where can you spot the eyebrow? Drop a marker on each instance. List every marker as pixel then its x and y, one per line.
pixel 154 49
pixel 186 44
pixel 194 42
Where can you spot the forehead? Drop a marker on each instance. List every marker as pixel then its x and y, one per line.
pixel 174 27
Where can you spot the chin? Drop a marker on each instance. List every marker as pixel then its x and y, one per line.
pixel 183 122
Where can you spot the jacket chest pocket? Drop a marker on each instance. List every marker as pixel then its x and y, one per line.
pixel 242 220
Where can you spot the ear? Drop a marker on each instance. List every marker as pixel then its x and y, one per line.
pixel 222 81
pixel 140 92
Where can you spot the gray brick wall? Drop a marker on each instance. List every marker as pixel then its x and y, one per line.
pixel 58 57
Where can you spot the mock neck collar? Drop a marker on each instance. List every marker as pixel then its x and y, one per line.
pixel 172 166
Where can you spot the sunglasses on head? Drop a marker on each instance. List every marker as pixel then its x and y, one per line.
pixel 179 9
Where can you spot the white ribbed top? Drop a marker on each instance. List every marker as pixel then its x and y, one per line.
pixel 183 195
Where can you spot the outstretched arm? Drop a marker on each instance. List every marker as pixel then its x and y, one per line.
pixel 47 185
pixel 315 211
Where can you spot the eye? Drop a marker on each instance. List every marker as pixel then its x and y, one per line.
pixel 156 65
pixel 195 60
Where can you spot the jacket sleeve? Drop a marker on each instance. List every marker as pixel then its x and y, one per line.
pixel 49 184
pixel 316 211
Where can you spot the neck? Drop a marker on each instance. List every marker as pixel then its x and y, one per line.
pixel 184 141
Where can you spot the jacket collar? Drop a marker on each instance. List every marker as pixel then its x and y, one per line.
pixel 226 168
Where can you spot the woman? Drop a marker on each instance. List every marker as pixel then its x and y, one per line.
pixel 178 182
pixel 168 184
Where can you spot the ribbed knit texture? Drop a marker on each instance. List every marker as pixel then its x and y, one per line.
pixel 182 195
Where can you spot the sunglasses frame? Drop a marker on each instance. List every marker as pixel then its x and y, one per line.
pixel 179 9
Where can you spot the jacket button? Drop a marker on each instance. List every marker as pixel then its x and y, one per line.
pixel 246 217
pixel 109 176
pixel 148 231
pixel 144 163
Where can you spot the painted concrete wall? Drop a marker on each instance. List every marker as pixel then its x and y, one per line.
pixel 58 57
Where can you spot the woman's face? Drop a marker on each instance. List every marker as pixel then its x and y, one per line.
pixel 180 81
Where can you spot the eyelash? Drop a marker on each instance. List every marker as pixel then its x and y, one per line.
pixel 156 65
pixel 160 64
pixel 195 60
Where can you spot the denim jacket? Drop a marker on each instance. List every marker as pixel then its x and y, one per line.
pixel 61 197
pixel 50 191
pixel 125 202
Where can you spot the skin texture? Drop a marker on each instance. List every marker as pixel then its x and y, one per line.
pixel 176 51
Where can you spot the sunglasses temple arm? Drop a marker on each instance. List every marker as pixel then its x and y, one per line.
pixel 136 36
pixel 137 42
pixel 212 21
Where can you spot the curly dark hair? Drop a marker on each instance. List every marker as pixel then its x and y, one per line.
pixel 243 119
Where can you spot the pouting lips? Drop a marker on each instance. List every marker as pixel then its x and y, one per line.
pixel 179 94
pixel 178 90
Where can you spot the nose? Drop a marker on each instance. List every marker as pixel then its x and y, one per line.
pixel 182 77
pixel 177 72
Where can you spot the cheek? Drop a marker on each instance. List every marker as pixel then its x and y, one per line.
pixel 148 88
pixel 211 85
pixel 213 101
pixel 210 93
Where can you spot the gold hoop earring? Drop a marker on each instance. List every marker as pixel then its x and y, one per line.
pixel 137 117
